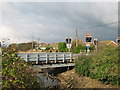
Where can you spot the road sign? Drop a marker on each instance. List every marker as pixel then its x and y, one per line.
pixel 88 38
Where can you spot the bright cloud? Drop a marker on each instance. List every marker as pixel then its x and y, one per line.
pixel 53 22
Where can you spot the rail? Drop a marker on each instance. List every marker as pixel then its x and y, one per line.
pixel 46 57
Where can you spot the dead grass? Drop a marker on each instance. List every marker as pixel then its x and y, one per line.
pixel 70 79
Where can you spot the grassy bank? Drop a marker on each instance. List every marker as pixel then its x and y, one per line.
pixel 102 66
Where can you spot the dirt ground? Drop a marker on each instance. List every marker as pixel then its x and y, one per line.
pixel 70 79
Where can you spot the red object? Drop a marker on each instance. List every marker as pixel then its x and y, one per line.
pixel 88 38
pixel 87 34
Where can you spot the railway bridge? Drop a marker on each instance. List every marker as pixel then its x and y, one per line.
pixel 48 60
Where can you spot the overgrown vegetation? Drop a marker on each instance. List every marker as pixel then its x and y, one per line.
pixel 102 66
pixel 49 48
pixel 23 46
pixel 78 48
pixel 62 47
pixel 16 73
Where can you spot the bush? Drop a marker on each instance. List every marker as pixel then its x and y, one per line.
pixel 62 47
pixel 78 48
pixel 16 73
pixel 102 66
pixel 82 65
pixel 48 48
pixel 23 46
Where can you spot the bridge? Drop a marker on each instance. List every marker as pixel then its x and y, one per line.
pixel 48 60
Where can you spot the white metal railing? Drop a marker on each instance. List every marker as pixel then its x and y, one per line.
pixel 46 57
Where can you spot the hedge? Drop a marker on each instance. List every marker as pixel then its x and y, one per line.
pixel 102 66
pixel 16 73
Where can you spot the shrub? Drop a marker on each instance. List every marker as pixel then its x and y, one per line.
pixel 62 47
pixel 48 48
pixel 82 65
pixel 78 48
pixel 102 66
pixel 16 73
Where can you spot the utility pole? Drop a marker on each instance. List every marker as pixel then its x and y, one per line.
pixel 69 43
pixel 76 37
pixel 38 44
pixel 32 42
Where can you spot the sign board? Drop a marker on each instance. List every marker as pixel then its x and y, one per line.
pixel 87 45
pixel 69 46
pixel 68 40
pixel 95 41
pixel 88 38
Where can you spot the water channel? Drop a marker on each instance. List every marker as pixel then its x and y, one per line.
pixel 47 77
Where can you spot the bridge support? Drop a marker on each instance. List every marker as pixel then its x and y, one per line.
pixel 70 57
pixel 53 66
pixel 63 58
pixel 37 61
pixel 47 56
pixel 67 68
pixel 55 58
pixel 27 58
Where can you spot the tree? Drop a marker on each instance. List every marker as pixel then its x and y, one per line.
pixel 62 47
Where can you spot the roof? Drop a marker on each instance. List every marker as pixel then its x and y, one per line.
pixel 109 42
pixel 105 42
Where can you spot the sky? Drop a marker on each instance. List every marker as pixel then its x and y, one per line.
pixel 54 21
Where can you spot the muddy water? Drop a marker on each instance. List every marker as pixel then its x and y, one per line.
pixel 47 77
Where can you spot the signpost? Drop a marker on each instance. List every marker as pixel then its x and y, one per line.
pixel 96 44
pixel 118 41
pixel 69 43
pixel 88 47
pixel 88 40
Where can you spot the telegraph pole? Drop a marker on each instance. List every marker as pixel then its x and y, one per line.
pixel 38 44
pixel 32 42
pixel 76 37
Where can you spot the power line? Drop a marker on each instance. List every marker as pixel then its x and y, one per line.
pixel 100 25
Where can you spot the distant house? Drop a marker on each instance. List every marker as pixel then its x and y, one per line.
pixel 43 45
pixel 54 45
pixel 43 48
pixel 109 42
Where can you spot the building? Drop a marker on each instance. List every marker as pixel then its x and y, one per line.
pixel 109 42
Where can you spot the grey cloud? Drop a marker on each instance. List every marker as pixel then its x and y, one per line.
pixel 52 22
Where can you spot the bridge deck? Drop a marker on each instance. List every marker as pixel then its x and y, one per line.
pixel 48 60
pixel 46 57
pixel 53 65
